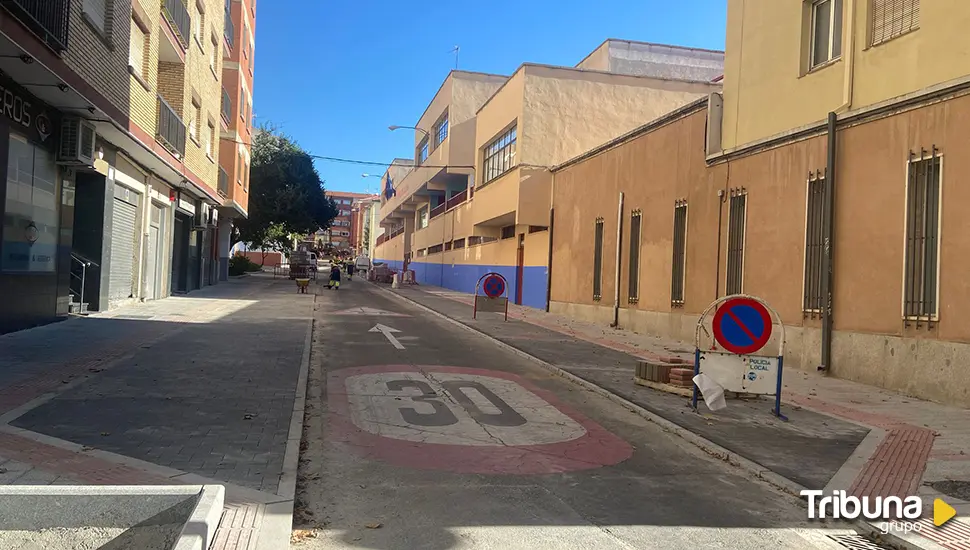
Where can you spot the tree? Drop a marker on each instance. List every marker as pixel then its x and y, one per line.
pixel 286 194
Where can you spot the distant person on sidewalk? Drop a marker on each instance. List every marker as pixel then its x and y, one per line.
pixel 334 277
pixel 350 271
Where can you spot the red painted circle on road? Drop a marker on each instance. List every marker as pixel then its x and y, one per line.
pixel 464 420
pixel 742 325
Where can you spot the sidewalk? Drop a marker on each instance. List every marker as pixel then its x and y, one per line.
pixel 193 389
pixel 841 435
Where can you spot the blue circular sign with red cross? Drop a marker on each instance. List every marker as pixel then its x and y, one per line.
pixel 494 285
pixel 742 325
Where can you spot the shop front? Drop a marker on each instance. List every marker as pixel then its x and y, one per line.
pixel 37 201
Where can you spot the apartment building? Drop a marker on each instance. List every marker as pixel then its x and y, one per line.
pixel 816 181
pixel 340 235
pixel 110 135
pixel 492 211
pixel 235 120
pixel 365 225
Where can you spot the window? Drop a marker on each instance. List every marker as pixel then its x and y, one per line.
pixel 892 18
pixel 537 228
pixel 195 122
pixel 508 232
pixel 923 186
pixel 246 176
pixel 435 249
pixel 96 12
pixel 499 156
pixel 423 218
pixel 814 244
pixel 598 259
pixel 213 52
pixel 735 248
pixel 826 31
pixel 459 243
pixel 136 49
pixel 30 218
pixel 423 150
pixel 441 130
pixel 679 261
pixel 239 169
pixel 197 26
pixel 634 290
pixel 210 139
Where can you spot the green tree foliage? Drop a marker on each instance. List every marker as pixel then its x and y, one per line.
pixel 286 195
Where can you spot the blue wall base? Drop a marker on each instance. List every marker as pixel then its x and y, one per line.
pixel 463 277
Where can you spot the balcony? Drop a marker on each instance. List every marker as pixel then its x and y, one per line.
pixel 223 183
pixel 229 31
pixel 48 19
pixel 171 129
pixel 226 106
pixel 177 16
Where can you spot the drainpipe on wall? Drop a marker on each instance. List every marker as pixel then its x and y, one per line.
pixel 827 240
pixel 616 278
pixel 552 223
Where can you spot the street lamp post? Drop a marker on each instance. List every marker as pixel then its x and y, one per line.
pixel 422 130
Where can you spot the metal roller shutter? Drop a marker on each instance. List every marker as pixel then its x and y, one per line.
pixel 122 249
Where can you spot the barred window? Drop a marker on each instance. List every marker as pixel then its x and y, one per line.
pixel 598 259
pixel 499 155
pixel 423 151
pixel 441 130
pixel 735 249
pixel 508 231
pixel 892 18
pixel 634 285
pixel 814 244
pixel 922 235
pixel 679 260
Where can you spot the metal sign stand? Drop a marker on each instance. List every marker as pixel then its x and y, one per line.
pixel 740 371
pixel 496 298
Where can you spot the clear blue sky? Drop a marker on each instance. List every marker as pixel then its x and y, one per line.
pixel 334 75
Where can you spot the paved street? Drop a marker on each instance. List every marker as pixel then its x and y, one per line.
pixel 194 389
pixel 423 435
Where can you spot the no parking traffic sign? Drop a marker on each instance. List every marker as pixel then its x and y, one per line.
pixel 494 286
pixel 742 325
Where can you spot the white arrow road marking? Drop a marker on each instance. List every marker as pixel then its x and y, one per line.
pixel 386 331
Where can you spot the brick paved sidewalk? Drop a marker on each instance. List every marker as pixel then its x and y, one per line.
pixel 913 446
pixel 192 389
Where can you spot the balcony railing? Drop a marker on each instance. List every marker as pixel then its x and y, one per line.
pixel 223 182
pixel 230 28
pixel 396 232
pixel 178 16
pixel 226 106
pixel 171 129
pixel 49 19
pixel 456 200
pixel 438 210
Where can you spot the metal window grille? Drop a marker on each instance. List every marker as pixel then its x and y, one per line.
pixel 634 285
pixel 826 31
pixel 499 155
pixel 892 18
pixel 537 228
pixel 812 301
pixel 679 263
pixel 508 231
pixel 922 236
pixel 435 249
pixel 735 250
pixel 598 260
pixel 459 243
pixel 423 151
pixel 441 130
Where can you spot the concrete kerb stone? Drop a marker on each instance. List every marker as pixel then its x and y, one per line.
pixel 277 525
pixel 750 467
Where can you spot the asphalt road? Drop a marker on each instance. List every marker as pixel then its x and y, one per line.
pixel 432 438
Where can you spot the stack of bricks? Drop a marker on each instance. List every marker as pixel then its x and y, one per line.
pixel 682 377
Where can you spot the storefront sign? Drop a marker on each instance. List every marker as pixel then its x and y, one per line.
pixel 25 113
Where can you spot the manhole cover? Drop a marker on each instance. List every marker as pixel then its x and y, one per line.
pixel 951 488
pixel 857 542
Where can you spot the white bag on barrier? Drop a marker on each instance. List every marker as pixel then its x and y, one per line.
pixel 713 393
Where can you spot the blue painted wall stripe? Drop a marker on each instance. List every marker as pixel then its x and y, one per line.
pixel 463 277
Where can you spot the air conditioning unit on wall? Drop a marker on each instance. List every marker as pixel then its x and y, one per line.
pixel 76 147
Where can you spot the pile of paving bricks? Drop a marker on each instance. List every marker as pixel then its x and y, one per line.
pixel 669 370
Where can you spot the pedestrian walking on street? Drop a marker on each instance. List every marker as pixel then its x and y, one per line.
pixel 334 277
pixel 350 271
